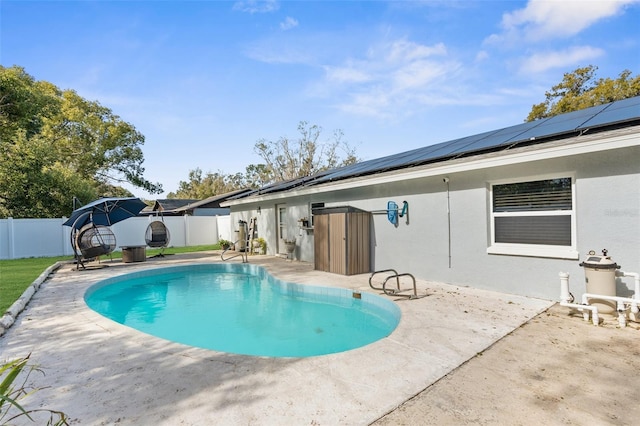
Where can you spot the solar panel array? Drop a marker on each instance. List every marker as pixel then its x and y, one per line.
pixel 569 124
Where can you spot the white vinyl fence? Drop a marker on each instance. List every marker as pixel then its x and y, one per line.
pixel 21 238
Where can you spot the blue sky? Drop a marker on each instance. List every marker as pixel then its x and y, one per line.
pixel 205 80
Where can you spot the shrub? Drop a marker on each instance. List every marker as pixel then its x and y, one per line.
pixel 10 394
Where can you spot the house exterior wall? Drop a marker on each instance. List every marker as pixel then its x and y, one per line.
pixel 433 245
pixel 266 220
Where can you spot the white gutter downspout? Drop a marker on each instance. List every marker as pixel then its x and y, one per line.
pixel 566 299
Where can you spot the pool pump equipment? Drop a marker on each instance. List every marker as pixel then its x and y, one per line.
pixel 600 278
pixel 600 275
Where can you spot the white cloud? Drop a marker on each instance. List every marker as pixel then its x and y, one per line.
pixel 371 104
pixel 482 55
pixel 346 74
pixel 403 50
pixel 256 6
pixel 288 23
pixel 543 61
pixel 392 78
pixel 548 19
pixel 418 74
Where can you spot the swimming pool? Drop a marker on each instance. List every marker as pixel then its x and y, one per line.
pixel 242 309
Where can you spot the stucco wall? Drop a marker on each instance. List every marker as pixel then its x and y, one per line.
pixel 608 216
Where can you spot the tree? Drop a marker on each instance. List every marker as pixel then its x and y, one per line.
pixel 255 176
pixel 201 186
pixel 579 90
pixel 55 145
pixel 24 102
pixel 97 143
pixel 34 184
pixel 288 159
pixel 284 159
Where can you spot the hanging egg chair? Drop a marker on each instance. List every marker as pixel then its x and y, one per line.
pixel 94 240
pixel 157 236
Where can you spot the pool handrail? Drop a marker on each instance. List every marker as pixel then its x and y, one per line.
pixel 396 292
pixel 242 254
pixel 395 273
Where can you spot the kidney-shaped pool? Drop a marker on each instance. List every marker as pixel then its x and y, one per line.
pixel 242 309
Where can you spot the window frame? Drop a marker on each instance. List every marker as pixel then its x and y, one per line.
pixel 316 204
pixel 533 250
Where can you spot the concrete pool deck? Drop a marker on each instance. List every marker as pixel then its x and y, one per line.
pixel 100 372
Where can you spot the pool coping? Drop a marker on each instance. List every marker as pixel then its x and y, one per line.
pixel 103 372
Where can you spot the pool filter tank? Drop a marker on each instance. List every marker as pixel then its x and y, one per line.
pixel 600 278
pixel 242 236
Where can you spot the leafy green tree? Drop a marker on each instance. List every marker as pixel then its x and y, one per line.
pixel 287 159
pixel 201 186
pixel 34 184
pixel 255 176
pixel 55 145
pixel 97 143
pixel 24 102
pixel 580 89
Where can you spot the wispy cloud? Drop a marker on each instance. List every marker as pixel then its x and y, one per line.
pixel 288 23
pixel 391 78
pixel 346 74
pixel 543 61
pixel 256 6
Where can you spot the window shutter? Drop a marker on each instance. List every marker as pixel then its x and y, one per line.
pixel 542 195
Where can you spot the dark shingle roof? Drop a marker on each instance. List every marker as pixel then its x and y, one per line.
pixel 171 204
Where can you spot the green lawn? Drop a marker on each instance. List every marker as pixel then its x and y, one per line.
pixel 18 274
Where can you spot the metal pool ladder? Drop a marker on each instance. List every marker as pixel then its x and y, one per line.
pixel 242 254
pixel 398 292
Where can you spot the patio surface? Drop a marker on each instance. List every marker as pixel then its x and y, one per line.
pixel 100 372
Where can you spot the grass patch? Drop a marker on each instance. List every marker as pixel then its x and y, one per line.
pixel 18 274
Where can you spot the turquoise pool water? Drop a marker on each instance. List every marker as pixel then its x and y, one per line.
pixel 242 309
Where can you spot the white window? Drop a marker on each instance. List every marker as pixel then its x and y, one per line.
pixel 534 218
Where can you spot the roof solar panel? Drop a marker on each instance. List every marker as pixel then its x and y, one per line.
pixel 356 169
pixel 618 112
pixel 598 116
pixel 460 146
pixel 624 103
pixel 384 163
pixel 285 185
pixel 556 125
pixel 243 195
pixel 506 136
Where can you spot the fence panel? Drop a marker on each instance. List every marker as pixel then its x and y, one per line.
pixel 21 238
pixel 199 230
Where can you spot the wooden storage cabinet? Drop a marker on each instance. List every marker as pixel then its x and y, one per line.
pixel 342 240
